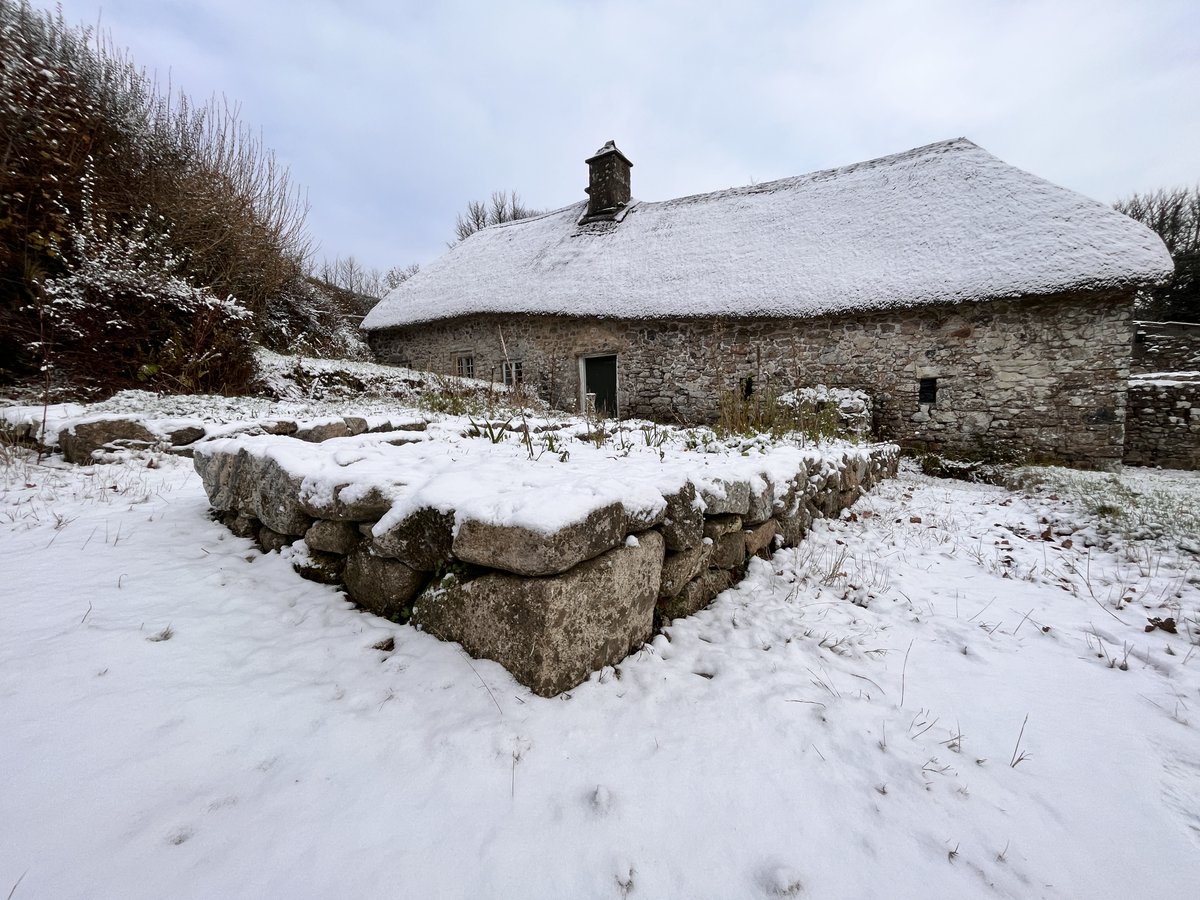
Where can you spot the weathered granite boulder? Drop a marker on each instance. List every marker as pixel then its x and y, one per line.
pixel 323 431
pixel 278 426
pixel 323 568
pixel 80 442
pixel 551 632
pixel 697 594
pixel 683 521
pixel 229 480
pixel 758 539
pixel 643 519
pixel 725 497
pixel 386 587
pixel 728 543
pixel 269 539
pixel 421 540
pixel 345 503
pixel 681 567
pixel 277 498
pixel 185 434
pixel 523 551
pixel 332 537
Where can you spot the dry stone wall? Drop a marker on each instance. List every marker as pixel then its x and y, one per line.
pixel 1166 347
pixel 1036 377
pixel 1163 427
pixel 551 608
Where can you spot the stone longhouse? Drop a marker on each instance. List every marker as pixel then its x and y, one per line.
pixel 983 308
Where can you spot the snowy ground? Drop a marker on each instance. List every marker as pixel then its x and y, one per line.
pixel 925 699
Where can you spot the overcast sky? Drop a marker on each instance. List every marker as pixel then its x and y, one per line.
pixel 394 114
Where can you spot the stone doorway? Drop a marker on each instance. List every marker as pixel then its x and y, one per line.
pixel 600 378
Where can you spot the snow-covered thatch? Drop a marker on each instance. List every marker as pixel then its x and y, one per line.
pixel 947 222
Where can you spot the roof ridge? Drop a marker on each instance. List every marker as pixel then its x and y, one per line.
pixel 535 218
pixel 958 143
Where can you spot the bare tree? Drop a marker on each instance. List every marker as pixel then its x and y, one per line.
pixel 349 275
pixel 504 206
pixel 397 275
pixel 1175 215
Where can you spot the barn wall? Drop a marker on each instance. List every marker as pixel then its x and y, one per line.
pixel 1039 376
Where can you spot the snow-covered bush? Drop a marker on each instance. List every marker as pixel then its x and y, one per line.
pixel 853 408
pixel 121 313
pixel 78 115
pixel 311 318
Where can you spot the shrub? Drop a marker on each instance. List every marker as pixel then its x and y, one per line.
pixel 201 205
pixel 764 411
pixel 121 313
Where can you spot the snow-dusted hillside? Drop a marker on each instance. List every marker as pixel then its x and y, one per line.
pixel 948 693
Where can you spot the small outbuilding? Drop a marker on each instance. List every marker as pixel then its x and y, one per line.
pixel 984 309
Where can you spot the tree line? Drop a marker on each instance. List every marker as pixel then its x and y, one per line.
pixel 1175 214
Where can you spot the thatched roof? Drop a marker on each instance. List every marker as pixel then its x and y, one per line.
pixel 947 222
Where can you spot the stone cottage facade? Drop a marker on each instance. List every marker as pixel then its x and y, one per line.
pixel 984 309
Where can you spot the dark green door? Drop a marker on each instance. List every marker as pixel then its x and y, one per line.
pixel 600 378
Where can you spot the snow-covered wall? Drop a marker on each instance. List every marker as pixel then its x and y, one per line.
pixel 1041 377
pixel 554 567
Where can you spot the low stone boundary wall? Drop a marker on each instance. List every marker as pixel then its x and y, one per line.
pixel 1165 347
pixel 102 438
pixel 550 606
pixel 1162 422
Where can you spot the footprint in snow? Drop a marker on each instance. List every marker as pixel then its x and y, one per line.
pixel 781 881
pixel 601 800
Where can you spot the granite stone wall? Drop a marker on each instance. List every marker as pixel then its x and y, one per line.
pixel 1163 426
pixel 550 608
pixel 1042 377
pixel 1166 347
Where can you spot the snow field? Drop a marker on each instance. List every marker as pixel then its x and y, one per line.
pixel 785 741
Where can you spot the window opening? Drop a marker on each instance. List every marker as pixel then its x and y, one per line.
pixel 927 391
pixel 464 365
pixel 511 370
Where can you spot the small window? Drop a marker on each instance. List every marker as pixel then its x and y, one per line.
pixel 464 365
pixel 512 372
pixel 927 392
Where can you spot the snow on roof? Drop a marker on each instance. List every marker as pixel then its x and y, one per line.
pixel 947 222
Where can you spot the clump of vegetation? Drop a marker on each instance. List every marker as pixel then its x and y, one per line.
pixel 748 412
pixel 159 232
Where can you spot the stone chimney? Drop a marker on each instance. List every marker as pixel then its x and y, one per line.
pixel 608 182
